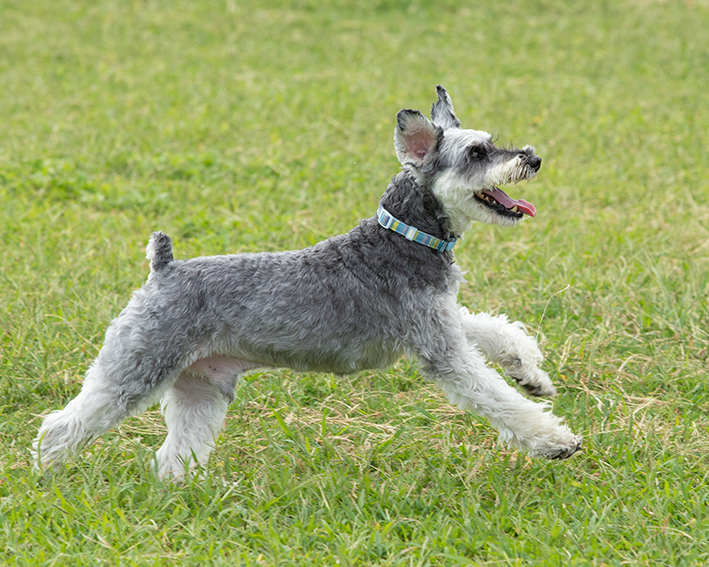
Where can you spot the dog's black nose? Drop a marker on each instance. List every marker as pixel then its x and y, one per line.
pixel 535 162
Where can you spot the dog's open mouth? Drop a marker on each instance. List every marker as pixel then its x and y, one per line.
pixel 497 200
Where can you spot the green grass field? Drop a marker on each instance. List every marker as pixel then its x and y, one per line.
pixel 246 126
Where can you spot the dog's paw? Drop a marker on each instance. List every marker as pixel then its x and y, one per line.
pixel 566 452
pixel 561 451
pixel 534 380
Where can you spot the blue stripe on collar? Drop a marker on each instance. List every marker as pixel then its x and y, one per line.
pixel 410 233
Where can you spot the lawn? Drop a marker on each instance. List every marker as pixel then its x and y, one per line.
pixel 256 125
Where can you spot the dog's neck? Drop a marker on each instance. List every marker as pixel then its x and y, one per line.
pixel 416 206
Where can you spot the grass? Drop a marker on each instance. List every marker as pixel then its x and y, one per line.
pixel 244 126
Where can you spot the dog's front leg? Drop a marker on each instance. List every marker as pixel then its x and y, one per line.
pixel 508 345
pixel 462 374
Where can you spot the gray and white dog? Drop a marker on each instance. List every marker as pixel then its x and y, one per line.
pixel 353 302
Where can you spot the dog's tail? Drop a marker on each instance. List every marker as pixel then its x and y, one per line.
pixel 159 251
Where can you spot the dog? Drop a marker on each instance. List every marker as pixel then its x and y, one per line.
pixel 353 302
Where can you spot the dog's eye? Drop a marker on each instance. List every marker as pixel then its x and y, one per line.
pixel 476 152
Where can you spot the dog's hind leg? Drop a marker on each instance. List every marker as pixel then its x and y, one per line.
pixel 194 409
pixel 508 345
pixel 132 371
pixel 104 401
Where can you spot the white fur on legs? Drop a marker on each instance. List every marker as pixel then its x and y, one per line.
pixel 194 410
pixel 508 345
pixel 460 371
pixel 93 412
pixel 521 422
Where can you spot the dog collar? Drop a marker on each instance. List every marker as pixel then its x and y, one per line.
pixel 411 233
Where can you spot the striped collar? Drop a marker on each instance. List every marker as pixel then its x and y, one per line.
pixel 410 233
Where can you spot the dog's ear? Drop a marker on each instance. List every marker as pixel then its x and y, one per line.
pixel 415 138
pixel 442 112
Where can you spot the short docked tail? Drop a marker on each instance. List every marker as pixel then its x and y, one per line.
pixel 159 251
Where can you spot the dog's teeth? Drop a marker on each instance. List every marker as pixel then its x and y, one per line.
pixel 514 209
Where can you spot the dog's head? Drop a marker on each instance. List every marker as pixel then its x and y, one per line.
pixel 463 168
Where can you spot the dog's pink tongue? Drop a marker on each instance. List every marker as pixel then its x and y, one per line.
pixel 501 197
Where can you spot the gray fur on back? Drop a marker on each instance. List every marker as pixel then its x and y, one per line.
pixel 343 305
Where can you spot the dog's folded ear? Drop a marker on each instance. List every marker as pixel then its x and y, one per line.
pixel 442 111
pixel 415 138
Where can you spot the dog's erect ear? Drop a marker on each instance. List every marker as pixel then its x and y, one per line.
pixel 442 112
pixel 415 138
